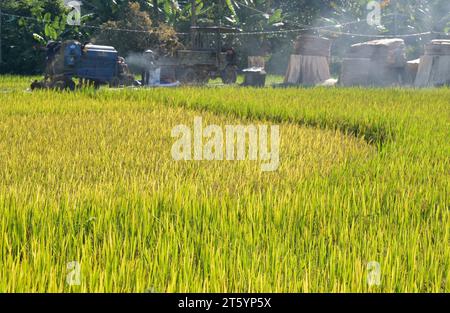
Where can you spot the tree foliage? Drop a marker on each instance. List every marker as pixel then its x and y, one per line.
pixel 22 38
pixel 162 38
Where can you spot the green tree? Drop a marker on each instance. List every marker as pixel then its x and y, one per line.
pixel 26 26
pixel 22 38
pixel 118 32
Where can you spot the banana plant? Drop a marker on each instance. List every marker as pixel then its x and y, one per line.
pixel 254 14
pixel 104 10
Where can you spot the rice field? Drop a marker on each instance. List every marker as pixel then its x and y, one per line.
pixel 88 177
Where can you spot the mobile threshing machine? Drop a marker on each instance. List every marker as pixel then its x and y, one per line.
pixel 206 59
pixel 91 64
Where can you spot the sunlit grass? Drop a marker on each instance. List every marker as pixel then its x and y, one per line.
pixel 88 177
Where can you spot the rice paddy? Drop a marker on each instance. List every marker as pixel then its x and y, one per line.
pixel 88 177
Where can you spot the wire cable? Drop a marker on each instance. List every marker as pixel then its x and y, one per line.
pixel 328 28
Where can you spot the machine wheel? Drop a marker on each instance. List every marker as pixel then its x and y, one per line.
pixel 64 85
pixel 36 85
pixel 229 75
pixel 189 76
pixel 192 76
pixel 203 77
pixel 59 85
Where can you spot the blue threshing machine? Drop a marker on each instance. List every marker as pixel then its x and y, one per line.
pixel 91 64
